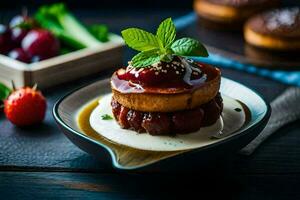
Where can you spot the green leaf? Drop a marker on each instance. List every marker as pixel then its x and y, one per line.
pixel 189 47
pixel 166 32
pixel 106 117
pixel 145 58
pixel 140 40
pixel 4 92
pixel 68 29
pixel 166 57
pixel 160 47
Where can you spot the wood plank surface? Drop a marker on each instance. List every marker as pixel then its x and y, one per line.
pixel 45 147
pixel 28 185
pixel 40 163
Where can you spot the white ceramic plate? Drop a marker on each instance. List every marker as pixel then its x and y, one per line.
pixel 230 122
pixel 124 157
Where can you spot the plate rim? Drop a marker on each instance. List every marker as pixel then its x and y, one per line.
pixel 113 157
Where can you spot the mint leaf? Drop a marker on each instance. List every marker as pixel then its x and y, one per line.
pixel 166 32
pixel 106 117
pixel 189 47
pixel 166 57
pixel 140 40
pixel 145 58
pixel 4 92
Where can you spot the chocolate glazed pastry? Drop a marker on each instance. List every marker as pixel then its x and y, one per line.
pixel 229 14
pixel 276 30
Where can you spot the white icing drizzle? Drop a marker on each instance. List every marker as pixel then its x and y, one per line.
pixel 136 72
pixel 200 80
pixel 136 86
pixel 188 72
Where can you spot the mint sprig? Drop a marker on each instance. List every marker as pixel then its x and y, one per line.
pixel 189 47
pixel 166 32
pixel 140 40
pixel 145 58
pixel 106 117
pixel 162 46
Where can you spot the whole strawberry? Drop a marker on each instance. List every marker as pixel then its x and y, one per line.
pixel 25 106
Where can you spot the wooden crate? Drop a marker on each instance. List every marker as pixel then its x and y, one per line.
pixel 63 68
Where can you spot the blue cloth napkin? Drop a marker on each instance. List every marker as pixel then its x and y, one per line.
pixel 287 77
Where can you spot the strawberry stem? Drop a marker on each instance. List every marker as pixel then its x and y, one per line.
pixel 34 87
pixel 13 85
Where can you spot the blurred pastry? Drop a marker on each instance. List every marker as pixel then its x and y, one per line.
pixel 272 59
pixel 229 14
pixel 275 30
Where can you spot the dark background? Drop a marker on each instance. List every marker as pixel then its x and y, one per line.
pixel 158 4
pixel 115 8
pixel 9 8
pixel 110 4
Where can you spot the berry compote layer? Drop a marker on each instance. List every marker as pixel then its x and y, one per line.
pixel 168 123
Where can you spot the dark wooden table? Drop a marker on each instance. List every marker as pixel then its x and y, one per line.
pixel 40 163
